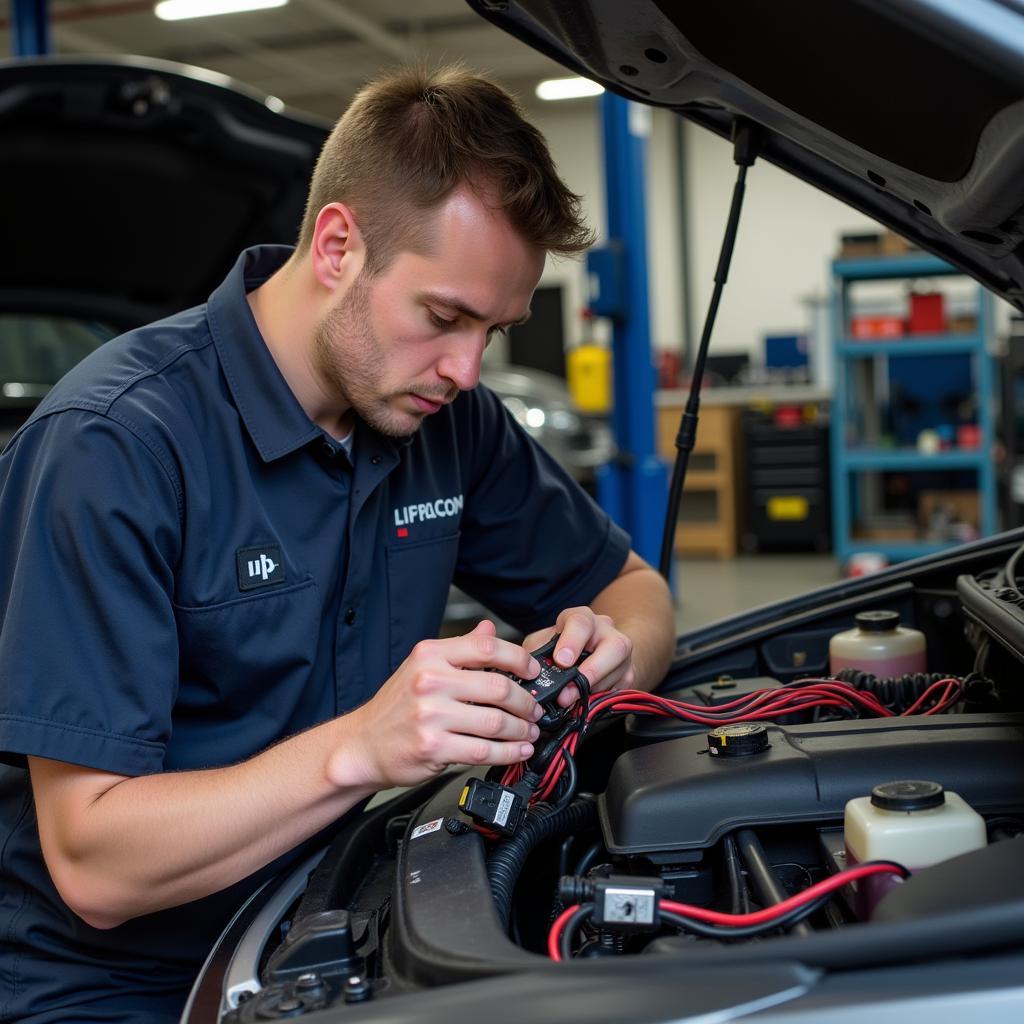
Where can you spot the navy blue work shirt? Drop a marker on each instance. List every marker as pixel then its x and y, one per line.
pixel 191 570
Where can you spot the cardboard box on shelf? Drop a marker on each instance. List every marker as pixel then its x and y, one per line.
pixel 858 245
pixel 962 323
pixel 887 527
pixel 895 245
pixel 950 506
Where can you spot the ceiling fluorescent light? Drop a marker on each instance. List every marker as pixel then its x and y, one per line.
pixel 568 88
pixel 178 10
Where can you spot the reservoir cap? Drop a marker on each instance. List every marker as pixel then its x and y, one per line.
pixel 908 795
pixel 738 740
pixel 877 622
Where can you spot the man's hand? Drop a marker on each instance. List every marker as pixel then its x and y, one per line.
pixel 610 664
pixel 441 708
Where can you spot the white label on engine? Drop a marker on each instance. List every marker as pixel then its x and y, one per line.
pixel 504 806
pixel 425 830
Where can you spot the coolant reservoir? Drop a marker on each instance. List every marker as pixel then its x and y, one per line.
pixel 914 823
pixel 880 645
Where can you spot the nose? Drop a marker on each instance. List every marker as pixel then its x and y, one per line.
pixel 461 363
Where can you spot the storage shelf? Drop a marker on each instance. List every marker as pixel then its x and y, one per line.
pixel 883 267
pixel 911 345
pixel 855 468
pixel 859 459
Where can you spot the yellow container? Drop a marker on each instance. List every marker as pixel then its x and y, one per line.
pixel 589 373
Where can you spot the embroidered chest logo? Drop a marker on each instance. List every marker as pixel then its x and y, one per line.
pixel 259 567
pixel 442 508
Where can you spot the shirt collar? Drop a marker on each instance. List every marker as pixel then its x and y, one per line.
pixel 275 420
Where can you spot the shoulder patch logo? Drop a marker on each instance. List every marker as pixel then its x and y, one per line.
pixel 259 567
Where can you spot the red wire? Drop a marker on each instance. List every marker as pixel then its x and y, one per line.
pixel 764 704
pixel 836 881
pixel 765 916
pixel 556 932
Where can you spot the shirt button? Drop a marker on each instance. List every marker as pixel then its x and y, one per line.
pixel 327 450
pixel 350 616
pixel 376 460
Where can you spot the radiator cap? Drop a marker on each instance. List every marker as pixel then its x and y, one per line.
pixel 738 740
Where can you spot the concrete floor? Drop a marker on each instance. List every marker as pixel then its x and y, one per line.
pixel 712 589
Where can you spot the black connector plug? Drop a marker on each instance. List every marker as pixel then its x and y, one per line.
pixel 501 808
pixel 494 805
pixel 620 901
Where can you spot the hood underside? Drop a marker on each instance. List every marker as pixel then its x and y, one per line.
pixel 131 186
pixel 911 111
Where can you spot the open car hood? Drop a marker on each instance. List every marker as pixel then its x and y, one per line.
pixel 911 111
pixel 131 186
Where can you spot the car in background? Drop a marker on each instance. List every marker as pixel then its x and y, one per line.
pixel 541 405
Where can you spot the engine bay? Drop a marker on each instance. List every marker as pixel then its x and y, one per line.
pixel 708 823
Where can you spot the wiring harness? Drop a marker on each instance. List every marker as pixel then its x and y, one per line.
pixel 638 904
pixel 553 763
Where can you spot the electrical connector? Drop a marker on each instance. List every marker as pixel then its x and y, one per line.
pixel 494 805
pixel 620 901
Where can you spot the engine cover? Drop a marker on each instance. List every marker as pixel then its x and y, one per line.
pixel 675 795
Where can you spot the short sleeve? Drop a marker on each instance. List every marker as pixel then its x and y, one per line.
pixel 88 646
pixel 533 541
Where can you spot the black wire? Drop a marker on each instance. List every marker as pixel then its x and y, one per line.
pixel 750 931
pixel 586 862
pixel 568 936
pixel 1010 570
pixel 740 895
pixel 785 921
pixel 563 855
pixel 571 779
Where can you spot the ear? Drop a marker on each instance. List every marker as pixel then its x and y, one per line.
pixel 337 251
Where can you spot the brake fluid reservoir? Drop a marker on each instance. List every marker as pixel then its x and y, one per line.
pixel 880 645
pixel 914 823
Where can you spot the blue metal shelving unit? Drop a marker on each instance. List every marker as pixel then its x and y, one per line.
pixel 848 459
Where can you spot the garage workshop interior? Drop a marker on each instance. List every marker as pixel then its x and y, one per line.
pixel 790 367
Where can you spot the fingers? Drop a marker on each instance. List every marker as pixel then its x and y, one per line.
pixel 577 626
pixel 449 731
pixel 488 723
pixel 490 689
pixel 479 649
pixel 610 662
pixel 477 750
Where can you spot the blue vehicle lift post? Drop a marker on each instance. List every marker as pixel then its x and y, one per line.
pixel 634 489
pixel 31 28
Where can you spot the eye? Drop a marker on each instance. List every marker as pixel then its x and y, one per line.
pixel 503 331
pixel 439 321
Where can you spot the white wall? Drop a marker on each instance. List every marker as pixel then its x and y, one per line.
pixel 788 234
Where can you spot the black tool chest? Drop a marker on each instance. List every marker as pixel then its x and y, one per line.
pixel 787 489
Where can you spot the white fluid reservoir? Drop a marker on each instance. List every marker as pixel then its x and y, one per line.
pixel 880 645
pixel 914 823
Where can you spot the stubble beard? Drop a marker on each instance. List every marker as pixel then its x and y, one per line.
pixel 357 378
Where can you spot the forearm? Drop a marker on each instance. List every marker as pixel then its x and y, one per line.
pixel 120 847
pixel 640 604
pixel 144 844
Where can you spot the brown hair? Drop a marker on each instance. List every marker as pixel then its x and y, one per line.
pixel 412 136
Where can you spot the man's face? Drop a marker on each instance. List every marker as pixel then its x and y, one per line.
pixel 400 344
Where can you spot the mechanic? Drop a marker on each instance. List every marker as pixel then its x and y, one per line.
pixel 227 542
